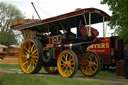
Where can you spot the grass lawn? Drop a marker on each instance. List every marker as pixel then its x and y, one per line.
pixel 101 73
pixel 24 79
pixel 9 66
pixel 108 74
pixel 27 79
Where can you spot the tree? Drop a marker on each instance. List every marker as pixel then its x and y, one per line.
pixel 7 38
pixel 8 13
pixel 119 18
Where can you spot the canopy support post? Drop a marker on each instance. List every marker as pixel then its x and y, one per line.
pixel 103 28
pixel 48 29
pixel 89 30
pixel 62 26
pixel 85 21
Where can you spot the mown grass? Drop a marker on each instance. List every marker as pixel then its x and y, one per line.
pixel 9 66
pixel 107 74
pixel 24 79
pixel 101 73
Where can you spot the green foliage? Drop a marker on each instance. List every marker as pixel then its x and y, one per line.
pixel 119 18
pixel 8 14
pixel 7 38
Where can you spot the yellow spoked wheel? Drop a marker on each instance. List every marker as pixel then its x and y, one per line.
pixel 90 63
pixel 50 69
pixel 67 63
pixel 30 56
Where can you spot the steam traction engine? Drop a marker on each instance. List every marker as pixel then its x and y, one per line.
pixel 52 44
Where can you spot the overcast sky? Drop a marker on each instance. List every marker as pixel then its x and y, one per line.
pixel 50 8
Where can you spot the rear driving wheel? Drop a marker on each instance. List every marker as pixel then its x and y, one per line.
pixel 30 56
pixel 90 64
pixel 67 63
pixel 50 69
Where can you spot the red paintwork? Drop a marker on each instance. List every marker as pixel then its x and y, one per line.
pixel 56 52
pixel 103 47
pixel 120 70
pixel 84 32
pixel 79 57
pixel 0 74
pixel 3 53
pixel 105 50
pixel 61 17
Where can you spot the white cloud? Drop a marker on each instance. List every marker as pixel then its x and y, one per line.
pixel 48 8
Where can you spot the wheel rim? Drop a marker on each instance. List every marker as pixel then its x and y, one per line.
pixel 90 64
pixel 50 69
pixel 66 64
pixel 28 57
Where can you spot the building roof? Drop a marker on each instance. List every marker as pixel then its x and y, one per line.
pixel 14 46
pixel 3 46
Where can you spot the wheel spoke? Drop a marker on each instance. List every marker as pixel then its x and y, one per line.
pixel 25 62
pixel 24 57
pixel 93 67
pixel 35 51
pixel 29 46
pixel 72 68
pixel 66 69
pixel 34 56
pixel 29 56
pixel 90 69
pixel 26 49
pixel 26 52
pixel 86 69
pixel 28 67
pixel 33 66
pixel 87 58
pixel 32 47
pixel 72 63
pixel 71 59
pixel 66 57
pixel 33 62
pixel 62 64
pixel 91 58
pixel 63 67
pixel 95 64
pixel 66 63
pixel 62 61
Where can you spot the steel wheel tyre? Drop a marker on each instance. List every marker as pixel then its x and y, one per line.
pixel 67 63
pixel 50 69
pixel 90 64
pixel 30 56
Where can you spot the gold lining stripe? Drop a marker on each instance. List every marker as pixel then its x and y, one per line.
pixel 49 21
pixel 83 11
